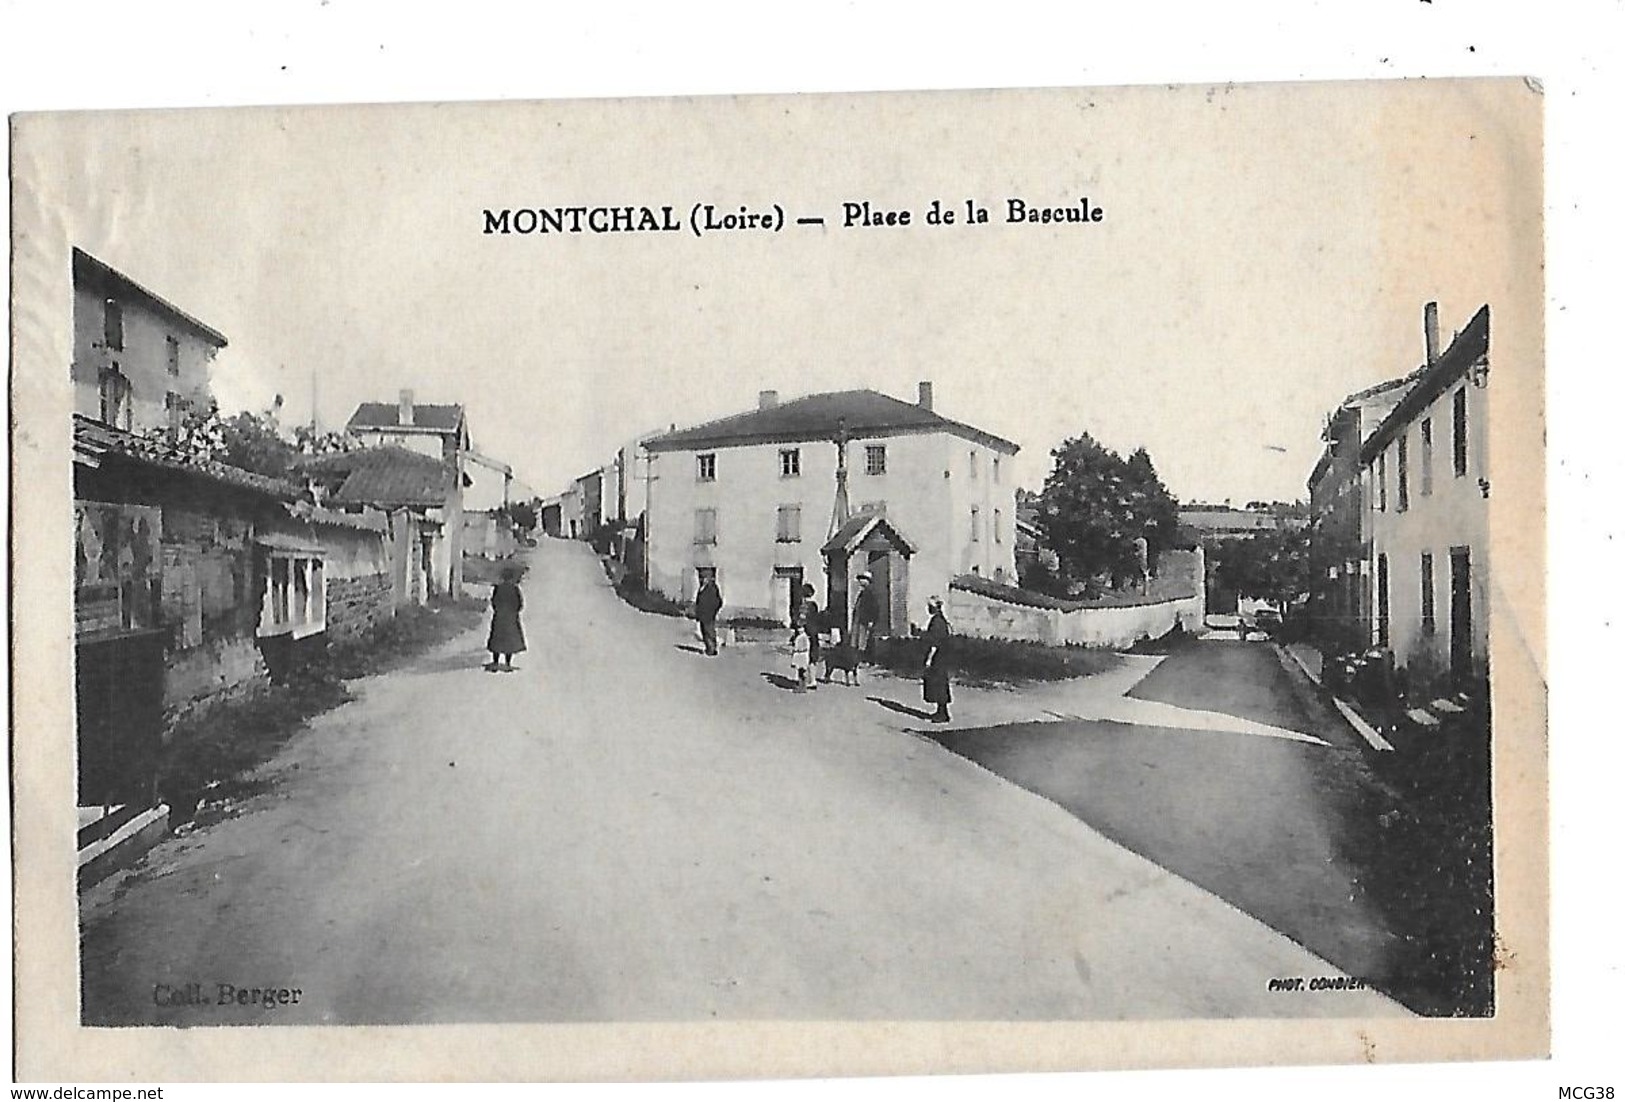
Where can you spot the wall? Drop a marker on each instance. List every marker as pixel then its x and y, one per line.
pixel 1113 627
pixel 1455 514
pixel 920 490
pixel 144 359
pixel 359 573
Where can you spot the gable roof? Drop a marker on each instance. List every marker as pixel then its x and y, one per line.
pixel 1470 346
pixel 94 275
pixel 387 415
pixel 389 475
pixel 865 414
pixel 859 528
pixel 93 441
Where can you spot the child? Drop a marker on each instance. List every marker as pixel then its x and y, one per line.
pixel 800 658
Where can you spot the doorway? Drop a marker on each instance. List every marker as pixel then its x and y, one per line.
pixel 879 567
pixel 1461 614
pixel 787 582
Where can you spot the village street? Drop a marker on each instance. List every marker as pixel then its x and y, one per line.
pixel 625 829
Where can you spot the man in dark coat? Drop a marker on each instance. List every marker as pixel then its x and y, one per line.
pixel 707 604
pixel 507 637
pixel 936 688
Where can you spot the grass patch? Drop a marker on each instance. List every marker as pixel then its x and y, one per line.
pixel 988 663
pixel 212 750
pixel 630 589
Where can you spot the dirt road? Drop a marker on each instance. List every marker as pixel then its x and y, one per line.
pixel 627 830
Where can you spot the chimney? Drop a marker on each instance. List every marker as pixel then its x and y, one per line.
pixel 925 394
pixel 767 399
pixel 1430 331
pixel 406 408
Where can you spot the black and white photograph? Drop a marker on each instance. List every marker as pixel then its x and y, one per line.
pixel 1061 558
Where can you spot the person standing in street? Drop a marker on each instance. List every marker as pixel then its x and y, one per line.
pixel 507 637
pixel 865 614
pixel 707 604
pixel 809 618
pixel 936 685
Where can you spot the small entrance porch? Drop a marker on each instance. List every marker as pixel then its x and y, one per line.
pixel 869 543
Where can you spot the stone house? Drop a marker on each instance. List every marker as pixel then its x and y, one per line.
pixel 1427 488
pixel 763 501
pixel 139 361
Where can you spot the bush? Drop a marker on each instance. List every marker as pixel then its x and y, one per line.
pixel 630 589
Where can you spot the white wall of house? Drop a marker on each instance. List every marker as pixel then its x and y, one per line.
pixel 1444 511
pixel 925 491
pixel 423 443
pixel 144 359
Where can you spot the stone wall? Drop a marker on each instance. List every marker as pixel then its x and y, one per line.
pixel 357 605
pixel 985 611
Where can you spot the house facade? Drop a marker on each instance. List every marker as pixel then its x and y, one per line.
pixel 431 432
pixel 139 362
pixel 1340 537
pixel 1427 488
pixel 755 499
pixel 422 496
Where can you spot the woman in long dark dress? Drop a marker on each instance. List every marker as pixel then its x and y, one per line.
pixel 937 689
pixel 507 637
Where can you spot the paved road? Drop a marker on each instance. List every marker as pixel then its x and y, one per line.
pixel 1220 767
pixel 626 830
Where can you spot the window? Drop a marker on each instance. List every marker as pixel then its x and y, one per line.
pixel 998 526
pixel 296 595
pixel 113 326
pixel 1402 473
pixel 705 526
pixel 789 462
pixel 975 524
pixel 175 406
pixel 995 468
pixel 1382 481
pixel 172 352
pixel 874 459
pixel 707 471
pixel 973 465
pixel 114 386
pixel 789 524
pixel 1427 456
pixel 1428 621
pixel 1458 432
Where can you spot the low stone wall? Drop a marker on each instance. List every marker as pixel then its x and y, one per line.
pixel 357 605
pixel 1117 627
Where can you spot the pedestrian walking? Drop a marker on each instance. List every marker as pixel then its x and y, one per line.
pixel 507 637
pixel 938 636
pixel 707 604
pixel 865 615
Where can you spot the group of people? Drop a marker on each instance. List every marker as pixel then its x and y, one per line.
pixel 507 635
pixel 806 638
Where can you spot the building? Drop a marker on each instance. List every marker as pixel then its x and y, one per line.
pixel 139 362
pixel 1427 491
pixel 763 500
pixel 434 432
pixel 423 496
pixel 1340 542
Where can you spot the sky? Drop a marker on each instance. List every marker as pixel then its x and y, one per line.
pixel 1262 251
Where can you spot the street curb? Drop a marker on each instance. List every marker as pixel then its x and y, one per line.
pixel 102 858
pixel 1372 736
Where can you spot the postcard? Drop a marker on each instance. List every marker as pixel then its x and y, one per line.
pixel 781 585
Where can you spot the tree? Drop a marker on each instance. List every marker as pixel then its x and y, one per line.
pixel 523 515
pixel 1095 504
pixel 1271 565
pixel 251 441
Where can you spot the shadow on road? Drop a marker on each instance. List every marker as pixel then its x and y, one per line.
pixel 779 681
pixel 449 663
pixel 917 713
